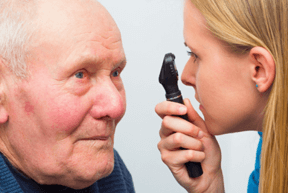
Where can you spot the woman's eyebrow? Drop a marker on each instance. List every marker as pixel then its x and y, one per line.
pixel 186 45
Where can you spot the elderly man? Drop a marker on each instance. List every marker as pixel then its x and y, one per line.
pixel 61 97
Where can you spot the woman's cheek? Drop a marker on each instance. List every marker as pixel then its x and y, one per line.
pixel 207 94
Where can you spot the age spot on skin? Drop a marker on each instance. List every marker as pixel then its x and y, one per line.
pixel 29 108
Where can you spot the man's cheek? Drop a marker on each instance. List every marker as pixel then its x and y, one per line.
pixel 29 109
pixel 64 117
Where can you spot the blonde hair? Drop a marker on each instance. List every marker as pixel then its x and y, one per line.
pixel 244 24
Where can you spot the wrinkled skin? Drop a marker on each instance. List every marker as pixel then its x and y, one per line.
pixel 60 121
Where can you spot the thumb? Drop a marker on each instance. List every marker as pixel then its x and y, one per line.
pixel 193 116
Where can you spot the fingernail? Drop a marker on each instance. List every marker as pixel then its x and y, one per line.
pixel 182 110
pixel 200 134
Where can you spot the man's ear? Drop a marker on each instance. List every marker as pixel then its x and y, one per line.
pixel 3 111
pixel 263 68
pixel 3 115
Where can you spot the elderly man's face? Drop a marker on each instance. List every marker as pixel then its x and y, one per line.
pixel 62 119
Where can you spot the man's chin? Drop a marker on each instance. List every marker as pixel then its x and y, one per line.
pixel 84 181
pixel 83 171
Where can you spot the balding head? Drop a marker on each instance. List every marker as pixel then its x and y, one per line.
pixel 19 24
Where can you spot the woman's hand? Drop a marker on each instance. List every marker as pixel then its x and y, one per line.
pixel 200 146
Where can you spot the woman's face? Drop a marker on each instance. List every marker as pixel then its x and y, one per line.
pixel 222 80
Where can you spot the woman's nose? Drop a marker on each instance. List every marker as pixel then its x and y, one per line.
pixel 188 76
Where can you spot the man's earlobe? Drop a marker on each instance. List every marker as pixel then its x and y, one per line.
pixel 3 112
pixel 263 68
pixel 3 116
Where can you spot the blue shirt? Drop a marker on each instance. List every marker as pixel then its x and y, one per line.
pixel 253 183
pixel 12 181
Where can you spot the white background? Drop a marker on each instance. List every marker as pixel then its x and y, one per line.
pixel 151 28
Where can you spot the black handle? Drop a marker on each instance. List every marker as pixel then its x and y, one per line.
pixel 194 168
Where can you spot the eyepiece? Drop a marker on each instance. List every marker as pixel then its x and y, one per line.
pixel 169 75
pixel 169 57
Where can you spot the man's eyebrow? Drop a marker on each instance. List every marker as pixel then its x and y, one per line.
pixel 84 60
pixel 124 61
pixel 121 64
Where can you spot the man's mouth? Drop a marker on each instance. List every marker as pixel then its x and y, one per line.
pixel 99 138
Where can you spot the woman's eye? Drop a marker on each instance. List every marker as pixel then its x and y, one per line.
pixel 79 75
pixel 192 54
pixel 116 73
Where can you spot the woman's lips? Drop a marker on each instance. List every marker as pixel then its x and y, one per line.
pixel 201 107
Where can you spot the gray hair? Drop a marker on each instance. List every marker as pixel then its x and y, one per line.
pixel 17 27
pixel 16 18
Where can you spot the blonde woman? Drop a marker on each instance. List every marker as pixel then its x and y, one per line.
pixel 238 68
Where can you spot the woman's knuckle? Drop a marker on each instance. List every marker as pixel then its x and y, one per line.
pixel 160 133
pixel 164 158
pixel 190 155
pixel 177 138
pixel 193 130
pixel 165 121
pixel 159 146
pixel 199 146
pixel 203 155
pixel 156 108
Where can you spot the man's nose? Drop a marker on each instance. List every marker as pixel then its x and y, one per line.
pixel 188 76
pixel 108 101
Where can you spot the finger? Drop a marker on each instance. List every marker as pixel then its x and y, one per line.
pixel 179 158
pixel 170 108
pixel 171 124
pixel 179 140
pixel 193 116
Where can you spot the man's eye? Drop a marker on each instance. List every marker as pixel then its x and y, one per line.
pixel 79 75
pixel 116 73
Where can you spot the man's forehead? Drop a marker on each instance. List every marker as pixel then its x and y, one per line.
pixel 97 54
pixel 61 24
pixel 56 13
pixel 81 33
